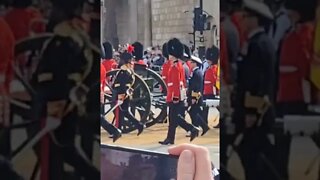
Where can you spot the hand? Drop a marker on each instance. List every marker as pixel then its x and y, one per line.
pixel 194 162
pixel 250 120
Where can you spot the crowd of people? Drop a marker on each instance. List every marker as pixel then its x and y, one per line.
pixel 181 71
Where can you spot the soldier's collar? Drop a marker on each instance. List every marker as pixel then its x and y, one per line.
pixel 124 67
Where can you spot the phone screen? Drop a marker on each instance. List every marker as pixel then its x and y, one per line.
pixel 119 163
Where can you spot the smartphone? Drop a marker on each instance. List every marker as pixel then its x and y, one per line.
pixel 121 163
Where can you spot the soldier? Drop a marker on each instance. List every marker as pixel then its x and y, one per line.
pixel 295 59
pixel 176 94
pixel 115 132
pixel 195 95
pixel 253 114
pixel 138 53
pixel 210 77
pixel 58 81
pixel 108 62
pixel 24 19
pixel 123 83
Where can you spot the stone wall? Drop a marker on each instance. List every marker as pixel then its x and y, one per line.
pixel 172 18
pixel 153 22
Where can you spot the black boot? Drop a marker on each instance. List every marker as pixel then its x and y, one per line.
pixel 140 129
pixel 205 130
pixel 117 135
pixel 194 134
pixel 166 142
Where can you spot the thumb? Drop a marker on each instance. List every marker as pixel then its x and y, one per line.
pixel 186 166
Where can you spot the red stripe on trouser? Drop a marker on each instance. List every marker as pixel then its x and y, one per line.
pixel 117 117
pixel 44 157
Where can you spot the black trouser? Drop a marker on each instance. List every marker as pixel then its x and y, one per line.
pixel 107 126
pixel 205 112
pixel 176 119
pixel 256 154
pixel 124 112
pixel 66 151
pixel 196 116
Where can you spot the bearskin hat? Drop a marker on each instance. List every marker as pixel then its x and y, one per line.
pixel 212 54
pixel 165 52
pixel 175 48
pixel 108 50
pixel 138 50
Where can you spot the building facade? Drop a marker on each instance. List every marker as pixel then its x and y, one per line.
pixel 153 22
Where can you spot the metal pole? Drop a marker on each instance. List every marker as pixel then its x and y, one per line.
pixel 201 7
pixel 202 48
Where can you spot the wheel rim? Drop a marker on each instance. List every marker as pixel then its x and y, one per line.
pixel 140 102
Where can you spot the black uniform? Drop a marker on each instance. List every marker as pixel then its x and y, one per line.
pixel 194 92
pixel 256 76
pixel 124 80
pixel 62 66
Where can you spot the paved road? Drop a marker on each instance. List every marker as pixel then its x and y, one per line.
pixel 150 137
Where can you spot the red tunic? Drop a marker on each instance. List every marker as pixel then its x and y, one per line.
pixel 165 70
pixel 24 21
pixel 176 80
pixel 210 78
pixel 109 64
pixel 140 62
pixel 6 55
pixel 103 73
pixel 296 53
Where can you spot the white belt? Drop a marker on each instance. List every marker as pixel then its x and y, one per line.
pixel 170 84
pixel 207 82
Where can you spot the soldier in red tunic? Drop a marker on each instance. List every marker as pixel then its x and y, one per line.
pixel 24 19
pixel 138 54
pixel 210 90
pixel 295 60
pixel 115 132
pixel 108 62
pixel 176 94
